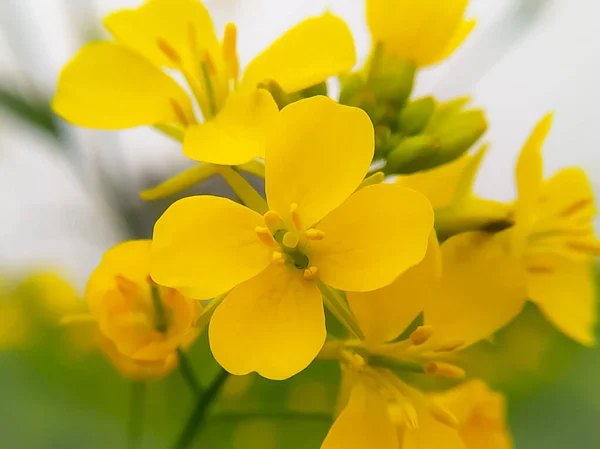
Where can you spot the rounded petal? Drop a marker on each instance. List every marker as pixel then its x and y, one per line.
pixel 482 289
pixel 108 86
pixel 565 291
pixel 206 245
pixel 237 134
pixel 372 238
pixel 423 31
pixel 273 324
pixel 305 55
pixel 184 25
pixel 364 423
pixel 317 155
pixel 385 313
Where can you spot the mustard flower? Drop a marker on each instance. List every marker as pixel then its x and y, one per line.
pixel 319 230
pixel 121 84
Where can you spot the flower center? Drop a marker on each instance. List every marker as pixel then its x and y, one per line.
pixel 289 242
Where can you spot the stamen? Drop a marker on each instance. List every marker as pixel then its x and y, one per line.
pixel 576 207
pixel 589 248
pixel 229 50
pixel 168 51
pixel 314 234
pixel 265 236
pixel 126 286
pixel 179 112
pixel 442 369
pixel 310 273
pixel 208 62
pixel 354 361
pixel 290 240
pixel 295 215
pixel 538 269
pixel 273 220
pixel 443 415
pixel 278 258
pixel 421 334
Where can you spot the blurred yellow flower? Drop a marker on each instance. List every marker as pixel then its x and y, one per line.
pixel 121 84
pixel 424 32
pixel 319 227
pixel 546 257
pixel 144 321
pixel 382 410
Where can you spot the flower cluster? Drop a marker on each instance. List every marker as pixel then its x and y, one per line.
pixel 368 219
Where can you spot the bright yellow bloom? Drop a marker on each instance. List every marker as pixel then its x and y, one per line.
pixel 319 227
pixel 144 321
pixel 422 31
pixel 545 257
pixel 383 411
pixel 481 421
pixel 120 84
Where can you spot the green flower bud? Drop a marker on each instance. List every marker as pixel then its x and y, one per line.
pixel 412 154
pixel 391 80
pixel 458 134
pixel 415 116
pixel 352 84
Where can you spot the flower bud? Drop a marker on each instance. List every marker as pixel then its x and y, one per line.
pixel 415 116
pixel 458 134
pixel 412 154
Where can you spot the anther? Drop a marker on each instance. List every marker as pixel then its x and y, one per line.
pixel 229 50
pixel 179 112
pixel 168 51
pixel 314 234
pixel 208 62
pixel 265 236
pixel 290 240
pixel 443 415
pixel 450 346
pixel 295 216
pixel 442 369
pixel 310 273
pixel 273 220
pixel 278 258
pixel 421 334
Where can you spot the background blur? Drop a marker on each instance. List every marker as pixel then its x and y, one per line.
pixel 68 194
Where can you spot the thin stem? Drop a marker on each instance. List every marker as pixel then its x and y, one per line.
pixel 210 91
pixel 196 419
pixel 208 311
pixel 243 189
pixel 180 182
pixel 255 167
pixel 160 318
pixel 187 372
pixel 136 417
pixel 337 306
pixel 174 132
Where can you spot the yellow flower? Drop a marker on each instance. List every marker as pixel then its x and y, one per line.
pixel 422 31
pixel 120 84
pixel 545 257
pixel 381 409
pixel 144 321
pixel 319 227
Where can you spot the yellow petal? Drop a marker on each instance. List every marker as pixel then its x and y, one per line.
pixel 481 290
pixel 108 86
pixel 422 31
pixel 364 423
pixel 431 433
pixel 373 237
pixel 463 31
pixel 566 293
pixel 305 55
pixel 206 245
pixel 237 134
pixel 273 324
pixel 481 414
pixel 385 313
pixel 438 184
pixel 529 170
pixel 130 259
pixel 318 154
pixel 184 25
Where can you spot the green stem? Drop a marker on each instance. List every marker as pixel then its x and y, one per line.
pixel 160 317
pixel 187 372
pixel 180 182
pixel 337 306
pixel 210 91
pixel 174 132
pixel 136 418
pixel 243 189
pixel 209 310
pixel 196 419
